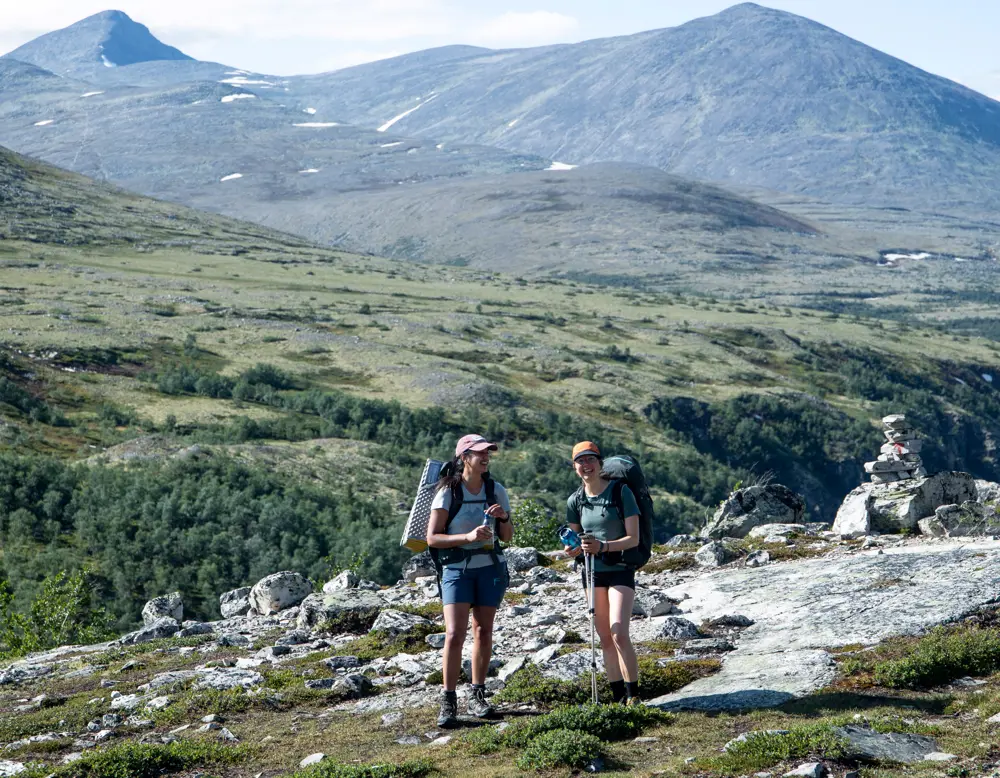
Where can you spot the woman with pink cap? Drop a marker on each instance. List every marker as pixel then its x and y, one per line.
pixel 470 511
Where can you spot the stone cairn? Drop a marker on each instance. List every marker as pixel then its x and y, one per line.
pixel 900 456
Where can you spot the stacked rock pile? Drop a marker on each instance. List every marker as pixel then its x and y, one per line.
pixel 900 455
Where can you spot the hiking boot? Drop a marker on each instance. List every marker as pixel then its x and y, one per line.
pixel 448 717
pixel 633 701
pixel 478 706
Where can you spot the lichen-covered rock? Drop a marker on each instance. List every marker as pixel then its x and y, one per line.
pixel 161 628
pixel 521 559
pixel 397 623
pixel 169 606
pixel 678 628
pixel 969 518
pixel 278 591
pixel 353 685
pixel 652 602
pixel 346 579
pixel 747 508
pixel 418 566
pixel 711 554
pixel 987 491
pixel 223 678
pixel 235 602
pixel 899 506
pixel 348 611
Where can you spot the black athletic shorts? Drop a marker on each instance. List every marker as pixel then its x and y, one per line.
pixel 610 578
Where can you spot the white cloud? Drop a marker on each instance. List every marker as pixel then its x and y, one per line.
pixel 530 28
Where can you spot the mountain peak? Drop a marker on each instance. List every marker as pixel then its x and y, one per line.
pixel 109 38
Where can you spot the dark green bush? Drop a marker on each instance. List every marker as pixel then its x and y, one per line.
pixel 765 749
pixel 560 747
pixel 137 760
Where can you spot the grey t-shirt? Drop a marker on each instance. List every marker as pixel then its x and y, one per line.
pixel 599 516
pixel 470 516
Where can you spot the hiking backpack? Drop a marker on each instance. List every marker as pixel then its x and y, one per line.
pixel 624 470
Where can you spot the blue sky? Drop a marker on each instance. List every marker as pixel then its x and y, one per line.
pixel 956 39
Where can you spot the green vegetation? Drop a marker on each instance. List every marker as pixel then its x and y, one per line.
pixel 410 769
pixel 376 644
pixel 937 658
pixel 569 747
pixel 139 760
pixel 761 750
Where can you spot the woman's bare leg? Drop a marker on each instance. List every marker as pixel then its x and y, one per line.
pixel 456 625
pixel 620 600
pixel 482 642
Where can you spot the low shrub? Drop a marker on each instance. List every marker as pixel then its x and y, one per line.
pixel 529 685
pixel 138 760
pixel 411 769
pixel 568 747
pixel 605 722
pixel 942 656
pixel 939 657
pixel 655 679
pixel 378 644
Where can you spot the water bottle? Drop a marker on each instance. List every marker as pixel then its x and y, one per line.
pixel 487 522
pixel 569 537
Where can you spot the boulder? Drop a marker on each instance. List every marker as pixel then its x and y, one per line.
pixel 747 508
pixel 853 519
pixel 711 554
pixel 278 591
pixel 344 580
pixel 11 768
pixel 235 602
pixel 342 662
pixel 987 491
pixel 353 685
pixel 683 540
pixel 420 565
pixel 295 637
pixel 169 606
pixel 969 518
pixel 778 530
pixel 162 628
pixel 757 558
pixel 678 628
pixel 864 744
pixel 223 678
pixel 397 623
pixel 521 559
pixel 650 602
pixel 899 506
pixel 807 770
pixel 198 628
pixel 348 611
pixel 932 527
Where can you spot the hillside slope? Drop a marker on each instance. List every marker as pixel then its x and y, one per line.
pixel 751 96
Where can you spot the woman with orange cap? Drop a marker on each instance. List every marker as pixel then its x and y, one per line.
pixel 469 511
pixel 606 529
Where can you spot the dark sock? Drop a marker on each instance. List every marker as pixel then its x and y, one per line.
pixel 479 687
pixel 451 695
pixel 617 691
pixel 632 688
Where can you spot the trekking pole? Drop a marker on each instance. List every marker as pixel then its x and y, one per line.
pixel 588 571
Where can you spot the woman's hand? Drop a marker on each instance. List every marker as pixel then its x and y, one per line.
pixel 591 545
pixel 479 534
pixel 496 511
pixel 572 551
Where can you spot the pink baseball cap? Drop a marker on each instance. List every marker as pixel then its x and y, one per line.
pixel 474 443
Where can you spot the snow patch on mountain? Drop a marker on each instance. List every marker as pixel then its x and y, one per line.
pixel 404 114
pixel 316 124
pixel 560 166
pixel 44 123
pixel 231 177
pixel 91 94
pixel 238 96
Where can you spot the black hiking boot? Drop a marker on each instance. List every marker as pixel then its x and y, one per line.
pixel 448 717
pixel 477 705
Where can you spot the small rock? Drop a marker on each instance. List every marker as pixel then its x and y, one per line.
pixel 227 736
pixel 808 770
pixel 209 726
pixel 441 741
pixel 235 602
pixel 731 620
pixel 436 640
pixel 391 719
pixel 345 580
pixel 678 628
pixel 646 740
pixel 212 718
pixel 312 759
pixel 711 554
pixel 939 756
pixel 409 740
pixel 342 662
pixel 758 558
pixel 296 637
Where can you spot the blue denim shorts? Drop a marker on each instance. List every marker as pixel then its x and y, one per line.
pixel 476 586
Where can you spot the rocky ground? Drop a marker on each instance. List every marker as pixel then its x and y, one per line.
pixel 773 607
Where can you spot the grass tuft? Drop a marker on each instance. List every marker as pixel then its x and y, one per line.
pixel 137 760
pixel 762 750
pixel 411 769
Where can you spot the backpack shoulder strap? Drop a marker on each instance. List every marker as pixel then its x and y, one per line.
pixel 575 501
pixel 617 486
pixel 457 497
pixel 491 490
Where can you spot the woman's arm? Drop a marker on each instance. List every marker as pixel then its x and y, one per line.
pixel 629 540
pixel 438 538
